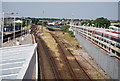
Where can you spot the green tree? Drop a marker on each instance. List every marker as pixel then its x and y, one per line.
pixel 18 24
pixel 24 22
pixel 71 34
pixel 65 28
pixel 90 23
pixel 35 20
pixel 102 22
pixel 45 23
pixel 40 23
pixel 84 23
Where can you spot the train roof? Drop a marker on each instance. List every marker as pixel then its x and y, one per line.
pixel 113 31
pixel 101 30
pixel 109 33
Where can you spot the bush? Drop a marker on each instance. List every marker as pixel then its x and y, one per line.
pixel 71 34
pixel 66 29
pixel 40 23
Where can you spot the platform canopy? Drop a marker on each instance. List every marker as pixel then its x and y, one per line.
pixel 15 60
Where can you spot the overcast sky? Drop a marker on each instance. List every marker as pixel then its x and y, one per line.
pixel 60 0
pixel 81 10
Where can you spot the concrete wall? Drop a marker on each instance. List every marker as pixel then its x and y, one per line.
pixel 29 72
pixel 107 63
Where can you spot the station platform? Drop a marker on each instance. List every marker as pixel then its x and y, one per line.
pixel 18 62
pixel 26 39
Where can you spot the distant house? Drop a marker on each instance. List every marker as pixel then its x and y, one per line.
pixel 18 21
pixel 8 21
pixel 51 23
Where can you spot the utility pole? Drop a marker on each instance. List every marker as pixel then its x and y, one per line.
pixel 42 24
pixel 26 27
pixel 14 29
pixel 14 25
pixel 28 22
pixel 21 26
pixel 2 27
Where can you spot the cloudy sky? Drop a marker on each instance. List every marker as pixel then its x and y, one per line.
pixel 81 10
pixel 60 0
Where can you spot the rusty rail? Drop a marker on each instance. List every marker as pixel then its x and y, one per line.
pixel 60 44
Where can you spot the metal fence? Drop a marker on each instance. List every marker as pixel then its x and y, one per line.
pixel 107 63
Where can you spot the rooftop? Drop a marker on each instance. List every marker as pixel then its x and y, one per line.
pixel 14 61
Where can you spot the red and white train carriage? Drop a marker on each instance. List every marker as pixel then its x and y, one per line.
pixel 109 39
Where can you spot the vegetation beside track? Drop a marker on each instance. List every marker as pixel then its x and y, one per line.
pixel 66 29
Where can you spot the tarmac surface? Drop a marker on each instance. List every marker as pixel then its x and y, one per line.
pixel 26 39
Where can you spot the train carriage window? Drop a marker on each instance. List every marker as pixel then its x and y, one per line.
pixel 118 53
pixel 105 46
pixel 107 41
pixel 102 35
pixel 97 37
pixel 110 42
pixel 106 36
pixel 113 44
pixel 115 39
pixel 117 45
pixel 113 51
pixel 101 39
pixel 104 40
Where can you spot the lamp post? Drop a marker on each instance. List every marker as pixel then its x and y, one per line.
pixel 21 26
pixel 2 27
pixel 28 23
pixel 23 23
pixel 42 29
pixel 14 26
pixel 14 29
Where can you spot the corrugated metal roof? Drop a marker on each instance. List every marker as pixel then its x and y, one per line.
pixel 14 61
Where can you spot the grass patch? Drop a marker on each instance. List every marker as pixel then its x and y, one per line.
pixel 46 34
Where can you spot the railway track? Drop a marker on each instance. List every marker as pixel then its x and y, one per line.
pixel 45 51
pixel 66 46
pixel 10 36
pixel 84 59
pixel 78 72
